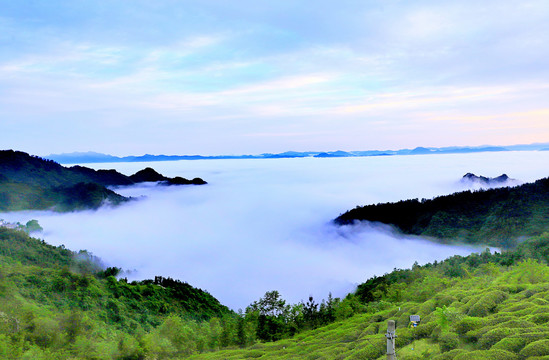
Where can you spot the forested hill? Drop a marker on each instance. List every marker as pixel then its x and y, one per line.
pixel 60 304
pixel 30 182
pixel 498 217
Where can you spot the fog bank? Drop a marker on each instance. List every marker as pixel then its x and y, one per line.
pixel 261 225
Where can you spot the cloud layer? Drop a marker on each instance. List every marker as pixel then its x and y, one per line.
pixel 261 225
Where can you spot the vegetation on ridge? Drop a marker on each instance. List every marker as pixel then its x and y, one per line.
pixel 58 304
pixel 498 217
pixel 477 307
pixel 32 183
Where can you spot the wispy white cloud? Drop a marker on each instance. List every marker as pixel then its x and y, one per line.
pixel 278 63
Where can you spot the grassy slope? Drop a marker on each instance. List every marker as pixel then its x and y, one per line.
pixel 490 311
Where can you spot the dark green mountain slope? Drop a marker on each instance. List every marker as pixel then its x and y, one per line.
pixel 20 167
pixel 499 217
pixel 150 175
pixel 29 182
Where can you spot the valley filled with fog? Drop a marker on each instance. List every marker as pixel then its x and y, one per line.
pixel 265 224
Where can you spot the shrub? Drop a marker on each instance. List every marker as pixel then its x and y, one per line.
pixel 424 330
pixel 493 336
pixel 541 310
pixel 371 329
pixel 450 355
pixel 540 318
pixel 540 301
pixel 403 320
pixel 513 288
pixel 513 344
pixel 448 341
pixel 253 354
pixel 467 324
pixel 487 303
pixel 437 331
pixel 497 295
pixel 376 318
pixel 444 300
pixel 404 337
pixel 487 354
pixel 500 318
pixel 368 352
pixel 516 324
pixel 460 295
pixel 523 308
pixel 482 309
pixel 537 348
pixel 36 353
pixel 529 292
pixel 427 307
pixel 535 335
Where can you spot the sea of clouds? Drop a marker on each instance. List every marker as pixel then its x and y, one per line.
pixel 262 225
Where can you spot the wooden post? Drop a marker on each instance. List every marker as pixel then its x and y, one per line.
pixel 391 340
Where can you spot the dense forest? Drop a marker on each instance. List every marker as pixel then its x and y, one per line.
pixel 499 217
pixel 32 183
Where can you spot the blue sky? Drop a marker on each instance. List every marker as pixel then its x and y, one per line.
pixel 213 77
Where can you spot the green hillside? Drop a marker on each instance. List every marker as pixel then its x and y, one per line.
pixel 498 217
pixel 483 306
pixel 58 304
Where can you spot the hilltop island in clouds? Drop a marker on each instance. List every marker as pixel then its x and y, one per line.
pixel 497 216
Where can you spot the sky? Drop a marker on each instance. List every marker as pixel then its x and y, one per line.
pixel 265 224
pixel 252 76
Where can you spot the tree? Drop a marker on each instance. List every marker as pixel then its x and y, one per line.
pixel 33 226
pixel 311 314
pixel 241 332
pixel 272 312
pixel 271 304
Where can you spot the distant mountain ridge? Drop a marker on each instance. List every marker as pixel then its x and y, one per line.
pixel 32 183
pixel 94 157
